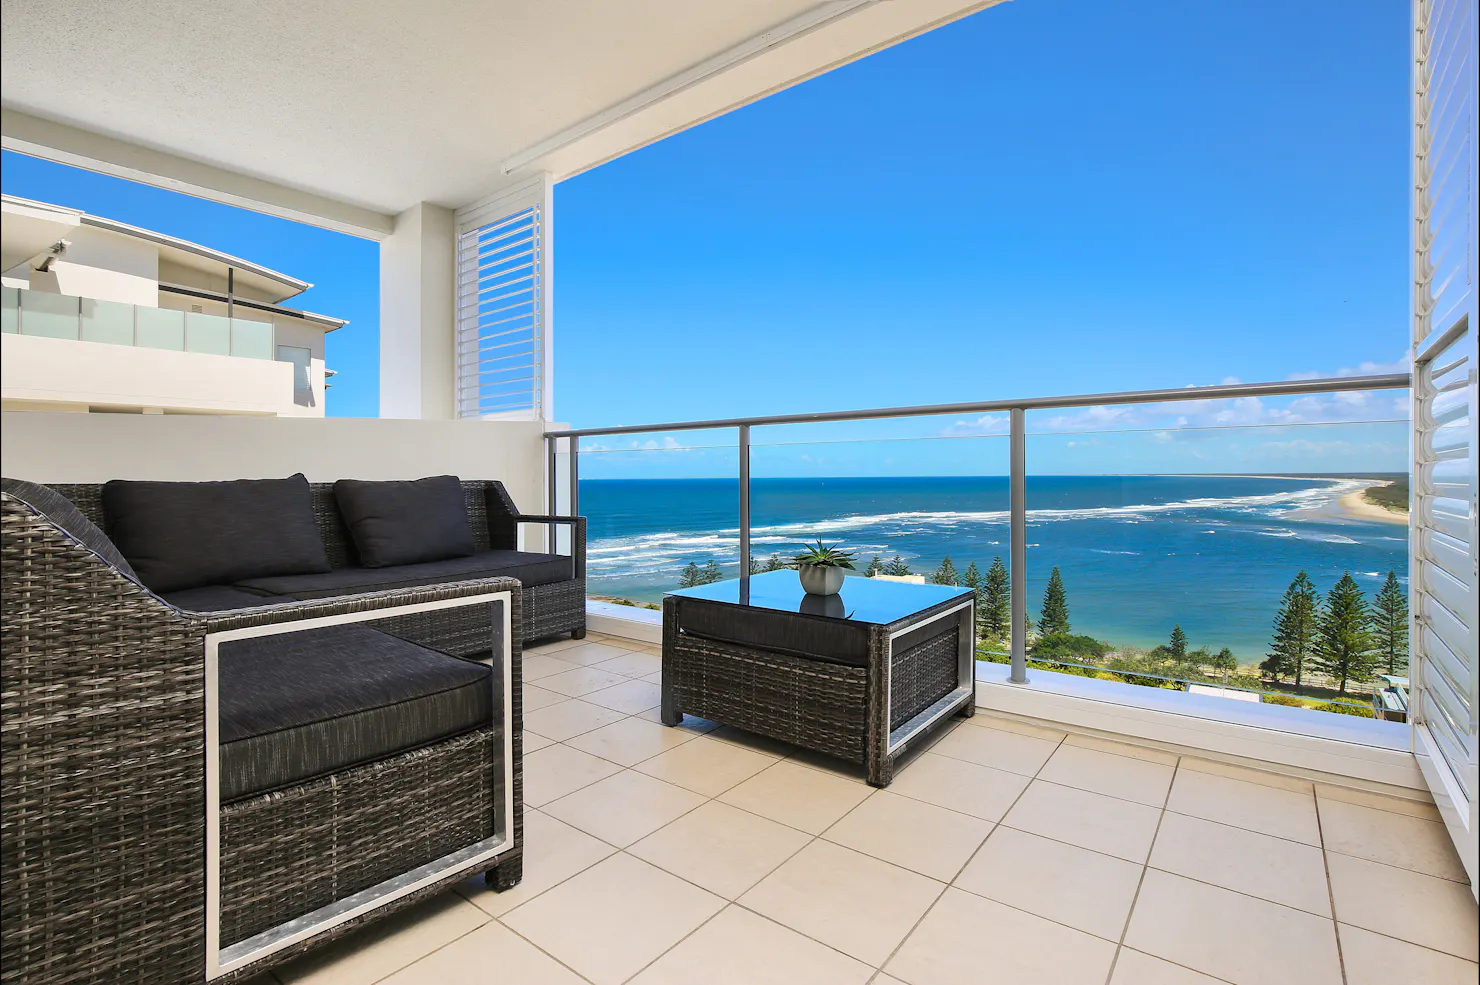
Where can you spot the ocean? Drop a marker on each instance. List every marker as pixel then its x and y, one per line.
pixel 1138 554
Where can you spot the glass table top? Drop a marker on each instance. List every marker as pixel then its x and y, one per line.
pixel 869 600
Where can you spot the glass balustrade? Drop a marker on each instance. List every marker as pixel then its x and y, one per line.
pixel 62 316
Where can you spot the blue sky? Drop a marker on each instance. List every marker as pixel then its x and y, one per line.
pixel 1047 197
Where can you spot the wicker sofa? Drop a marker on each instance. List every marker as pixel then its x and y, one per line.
pixel 360 759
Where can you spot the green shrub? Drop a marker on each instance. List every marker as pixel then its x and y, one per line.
pixel 1068 646
pixel 1283 699
pixel 1336 708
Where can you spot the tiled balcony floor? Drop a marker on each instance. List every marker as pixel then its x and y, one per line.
pixel 1005 853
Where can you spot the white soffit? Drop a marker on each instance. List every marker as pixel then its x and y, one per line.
pixel 345 113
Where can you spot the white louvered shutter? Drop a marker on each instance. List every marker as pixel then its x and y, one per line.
pixel 1443 573
pixel 503 305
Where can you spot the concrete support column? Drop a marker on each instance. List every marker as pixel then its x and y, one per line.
pixel 418 321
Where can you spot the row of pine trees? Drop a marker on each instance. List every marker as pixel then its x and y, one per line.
pixel 1340 635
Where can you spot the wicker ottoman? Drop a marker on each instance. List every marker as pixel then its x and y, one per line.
pixel 861 675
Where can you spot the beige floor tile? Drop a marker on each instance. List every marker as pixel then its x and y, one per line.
pixel 857 904
pixel 690 723
pixel 721 848
pixel 634 664
pixel 1232 936
pixel 740 948
pixel 628 697
pixel 980 791
pixel 614 918
pixel 387 945
pixel 630 741
pixel 968 940
pixel 1112 775
pixel 706 766
pixel 797 796
pixel 551 646
pixel 581 680
pixel 752 741
pixel 468 960
pixel 1396 839
pixel 533 741
pixel 536 698
pixel 998 748
pixel 1396 805
pixel 1135 968
pixel 827 764
pixel 921 837
pixel 1247 774
pixel 883 979
pixel 557 770
pixel 1255 806
pixel 985 719
pixel 1372 959
pixel 1245 861
pixel 623 808
pixel 1090 820
pixel 569 718
pixel 539 667
pixel 653 678
pixel 1127 749
pixel 586 653
pixel 1074 886
pixel 553 852
pixel 1410 906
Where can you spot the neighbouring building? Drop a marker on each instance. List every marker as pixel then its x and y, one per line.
pixel 106 317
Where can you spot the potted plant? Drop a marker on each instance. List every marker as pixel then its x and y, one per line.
pixel 821 568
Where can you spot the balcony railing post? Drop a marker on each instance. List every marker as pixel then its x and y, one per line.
pixel 744 442
pixel 1019 554
pixel 551 444
pixel 575 478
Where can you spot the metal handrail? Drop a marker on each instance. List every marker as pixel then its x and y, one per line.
pixel 1017 414
pixel 1224 391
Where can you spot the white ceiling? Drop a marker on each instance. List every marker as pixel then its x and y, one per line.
pixel 381 105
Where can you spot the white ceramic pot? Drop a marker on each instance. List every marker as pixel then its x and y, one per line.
pixel 820 579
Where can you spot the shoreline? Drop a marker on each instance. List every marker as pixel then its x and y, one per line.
pixel 1354 505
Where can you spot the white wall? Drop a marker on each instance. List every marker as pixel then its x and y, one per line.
pixel 103 265
pixel 97 447
pixel 35 368
pixel 417 315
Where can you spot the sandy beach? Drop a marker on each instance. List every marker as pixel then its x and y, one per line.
pixel 1351 507
pixel 1354 506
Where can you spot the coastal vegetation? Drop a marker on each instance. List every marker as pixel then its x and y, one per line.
pixel 1391 496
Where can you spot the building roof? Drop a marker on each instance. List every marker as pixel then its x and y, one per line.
pixel 32 227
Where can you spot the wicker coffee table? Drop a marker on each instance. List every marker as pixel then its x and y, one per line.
pixel 861 675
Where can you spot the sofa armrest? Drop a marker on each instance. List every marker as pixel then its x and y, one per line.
pixel 577 539
pixel 278 613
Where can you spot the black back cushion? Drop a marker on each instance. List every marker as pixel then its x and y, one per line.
pixel 182 535
pixel 61 511
pixel 406 522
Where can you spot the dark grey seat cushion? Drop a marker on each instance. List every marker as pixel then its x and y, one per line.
pixel 187 534
pixel 218 598
pixel 65 514
pixel 531 569
pixel 305 704
pixel 405 522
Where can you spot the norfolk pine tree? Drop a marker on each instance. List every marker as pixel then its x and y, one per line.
pixel 690 576
pixel 1390 626
pixel 875 567
pixel 1344 639
pixel 1054 616
pixel 946 573
pixel 1294 630
pixel 897 567
pixel 1178 643
pixel 996 607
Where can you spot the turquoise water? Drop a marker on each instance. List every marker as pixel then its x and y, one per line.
pixel 1138 553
